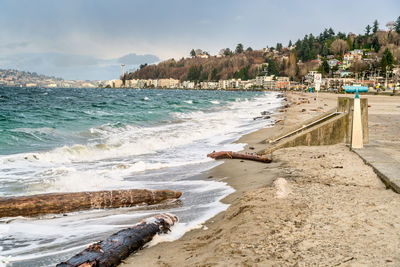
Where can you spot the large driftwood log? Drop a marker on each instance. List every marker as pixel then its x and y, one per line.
pixel 234 155
pixel 114 249
pixel 68 202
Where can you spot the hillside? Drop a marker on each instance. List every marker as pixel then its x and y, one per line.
pixel 212 68
pixel 294 61
pixel 16 78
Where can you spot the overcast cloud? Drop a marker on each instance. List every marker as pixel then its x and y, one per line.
pixel 88 39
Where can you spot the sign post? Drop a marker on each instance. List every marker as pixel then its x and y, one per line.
pixel 357 133
pixel 317 82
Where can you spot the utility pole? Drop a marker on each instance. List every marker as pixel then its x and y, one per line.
pixel 122 69
pixel 386 80
pixel 123 74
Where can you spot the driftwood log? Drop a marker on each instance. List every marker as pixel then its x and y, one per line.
pixel 68 202
pixel 234 155
pixel 114 249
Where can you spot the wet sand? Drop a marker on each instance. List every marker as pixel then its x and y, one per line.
pixel 311 206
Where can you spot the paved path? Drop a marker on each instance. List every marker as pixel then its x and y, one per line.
pixel 383 151
pixel 384 164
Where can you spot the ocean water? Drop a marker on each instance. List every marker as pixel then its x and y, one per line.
pixel 67 140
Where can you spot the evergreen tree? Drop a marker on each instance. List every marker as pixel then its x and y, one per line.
pixel 367 30
pixel 341 35
pixel 272 67
pixel 204 76
pixel 239 49
pixel 249 49
pixel 279 47
pixel 290 43
pixel 387 61
pixel 350 42
pixel 214 75
pixel 242 74
pixel 194 73
pixel 325 67
pixel 192 53
pixel 324 50
pixel 227 52
pixel 375 44
pixel 375 27
pixel 397 26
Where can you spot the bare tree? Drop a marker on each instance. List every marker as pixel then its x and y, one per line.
pixel 339 46
pixel 383 38
pixel 198 52
pixel 359 66
pixel 391 25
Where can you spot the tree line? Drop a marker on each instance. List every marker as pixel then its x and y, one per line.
pixel 294 61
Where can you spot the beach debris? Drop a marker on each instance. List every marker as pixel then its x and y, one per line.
pixel 251 147
pixel 282 188
pixel 234 155
pixel 113 250
pixel 68 202
pixel 303 100
pixel 316 109
pixel 280 95
pixel 264 115
pixel 258 117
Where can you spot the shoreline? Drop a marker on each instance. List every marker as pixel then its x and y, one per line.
pixel 310 206
pixel 231 172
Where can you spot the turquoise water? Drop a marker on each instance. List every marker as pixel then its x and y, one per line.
pixel 68 140
pixel 41 119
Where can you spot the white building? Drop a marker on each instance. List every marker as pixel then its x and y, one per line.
pixel 333 62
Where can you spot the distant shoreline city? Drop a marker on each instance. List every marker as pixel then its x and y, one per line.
pixel 15 78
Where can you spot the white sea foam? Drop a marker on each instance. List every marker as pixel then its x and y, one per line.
pixel 123 157
pixel 188 101
pixel 215 102
pixel 178 230
pixel 167 145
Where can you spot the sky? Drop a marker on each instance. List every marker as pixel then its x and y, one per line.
pixel 89 39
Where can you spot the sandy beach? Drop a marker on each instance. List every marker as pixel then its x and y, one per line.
pixel 313 206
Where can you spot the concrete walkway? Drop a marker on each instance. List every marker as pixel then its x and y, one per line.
pixel 385 166
pixel 383 151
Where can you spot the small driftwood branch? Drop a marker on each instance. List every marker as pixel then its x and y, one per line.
pixel 234 155
pixel 68 202
pixel 111 251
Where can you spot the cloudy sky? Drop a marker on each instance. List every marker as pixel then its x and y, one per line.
pixel 89 39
